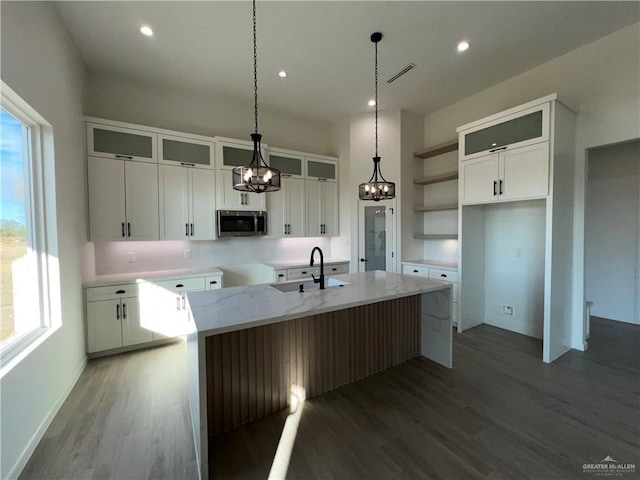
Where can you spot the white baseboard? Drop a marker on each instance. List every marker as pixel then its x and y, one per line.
pixel 15 471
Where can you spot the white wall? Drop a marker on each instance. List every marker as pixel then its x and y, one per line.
pixel 514 265
pixel 194 112
pixel 601 81
pixel 40 63
pixel 611 231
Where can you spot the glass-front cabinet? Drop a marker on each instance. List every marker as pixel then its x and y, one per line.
pixel 320 169
pixel 122 143
pixel 516 130
pixel 188 152
pixel 290 165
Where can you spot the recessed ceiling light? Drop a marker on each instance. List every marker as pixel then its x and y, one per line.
pixel 146 30
pixel 282 74
pixel 372 103
pixel 463 46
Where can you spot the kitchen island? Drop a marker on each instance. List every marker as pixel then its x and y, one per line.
pixel 251 347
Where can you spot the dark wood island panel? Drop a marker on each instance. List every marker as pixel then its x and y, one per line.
pixel 250 372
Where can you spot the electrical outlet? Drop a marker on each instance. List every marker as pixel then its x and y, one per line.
pixel 518 253
pixel 131 257
pixel 187 254
pixel 507 310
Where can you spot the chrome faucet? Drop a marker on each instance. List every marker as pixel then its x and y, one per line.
pixel 321 279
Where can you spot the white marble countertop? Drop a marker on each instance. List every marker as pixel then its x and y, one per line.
pixel 107 280
pixel 302 263
pixel 432 263
pixel 237 308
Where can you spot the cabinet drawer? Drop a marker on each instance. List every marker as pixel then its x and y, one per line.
pixel 336 269
pixel 304 272
pixel 213 282
pixel 112 292
pixel 183 284
pixel 415 270
pixel 439 274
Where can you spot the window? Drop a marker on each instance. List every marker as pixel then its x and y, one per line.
pixel 26 226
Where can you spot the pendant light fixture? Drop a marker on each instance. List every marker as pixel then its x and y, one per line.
pixel 377 188
pixel 257 177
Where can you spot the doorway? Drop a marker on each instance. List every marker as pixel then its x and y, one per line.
pixel 376 236
pixel 612 232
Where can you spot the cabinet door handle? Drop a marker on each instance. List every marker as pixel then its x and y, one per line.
pixel 122 229
pixel 415 271
pixel 127 157
pixel 128 229
pixel 496 149
pixel 334 269
pixel 120 292
pixel 186 229
pixel 187 164
pixel 184 302
pixel 304 273
pixel 364 260
pixel 501 187
pixel 280 275
pixel 179 285
pixel 118 311
pixel 192 229
pixel 178 302
pixel 495 185
pixel 443 275
pixel 124 311
pixel 213 282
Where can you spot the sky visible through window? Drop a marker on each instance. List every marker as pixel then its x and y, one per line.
pixel 13 214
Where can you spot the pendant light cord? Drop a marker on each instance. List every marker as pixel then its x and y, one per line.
pixel 376 44
pixel 255 68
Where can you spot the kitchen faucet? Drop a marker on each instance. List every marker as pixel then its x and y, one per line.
pixel 321 279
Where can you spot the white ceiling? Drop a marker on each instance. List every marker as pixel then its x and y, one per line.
pixel 325 47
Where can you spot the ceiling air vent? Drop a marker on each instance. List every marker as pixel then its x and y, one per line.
pixel 402 72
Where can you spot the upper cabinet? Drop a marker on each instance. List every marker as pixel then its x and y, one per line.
pixel 120 142
pixel 517 129
pixel 185 151
pixel 290 165
pixel 506 157
pixel 230 155
pixel 321 169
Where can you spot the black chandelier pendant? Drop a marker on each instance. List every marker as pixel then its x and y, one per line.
pixel 257 177
pixel 377 188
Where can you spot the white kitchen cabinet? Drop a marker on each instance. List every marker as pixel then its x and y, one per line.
pixel 508 130
pixel 171 304
pixel 287 212
pixel 322 169
pixel 303 271
pixel 123 200
pixel 230 199
pixel 123 143
pixel 287 162
pixel 230 155
pixel 187 203
pixel 322 208
pixel 114 319
pixel 525 156
pixel 185 151
pixel 512 174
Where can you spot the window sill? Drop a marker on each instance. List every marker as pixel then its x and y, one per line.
pixel 11 355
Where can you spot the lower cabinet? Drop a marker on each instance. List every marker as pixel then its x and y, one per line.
pixel 436 272
pixel 115 322
pixel 304 272
pixel 132 314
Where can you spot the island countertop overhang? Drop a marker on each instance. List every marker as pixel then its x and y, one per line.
pixel 236 308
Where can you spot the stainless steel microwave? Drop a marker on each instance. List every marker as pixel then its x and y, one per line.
pixel 239 223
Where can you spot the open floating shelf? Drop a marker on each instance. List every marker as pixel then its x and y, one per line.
pixel 435 236
pixel 436 208
pixel 437 149
pixel 442 177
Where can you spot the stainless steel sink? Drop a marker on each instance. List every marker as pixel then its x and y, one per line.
pixel 308 285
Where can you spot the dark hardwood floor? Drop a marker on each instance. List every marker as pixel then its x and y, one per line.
pixel 500 413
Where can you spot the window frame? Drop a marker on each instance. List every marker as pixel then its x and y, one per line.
pixel 41 226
